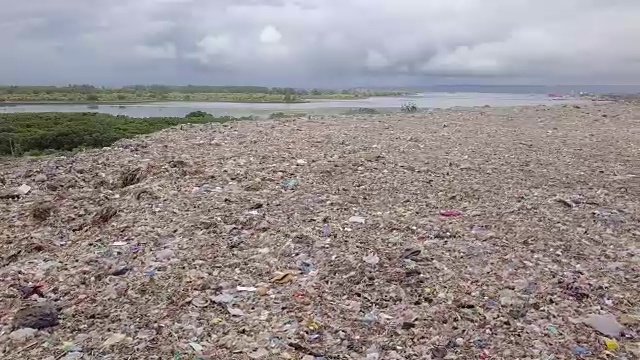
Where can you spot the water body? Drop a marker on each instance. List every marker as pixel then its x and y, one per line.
pixel 316 107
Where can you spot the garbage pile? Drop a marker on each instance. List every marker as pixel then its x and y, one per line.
pixel 485 233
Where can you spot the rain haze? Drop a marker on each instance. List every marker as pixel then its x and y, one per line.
pixel 320 42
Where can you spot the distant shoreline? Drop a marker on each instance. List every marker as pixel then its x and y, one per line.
pixel 125 103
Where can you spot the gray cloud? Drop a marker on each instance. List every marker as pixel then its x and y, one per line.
pixel 319 41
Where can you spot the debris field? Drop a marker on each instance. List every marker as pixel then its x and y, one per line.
pixel 483 233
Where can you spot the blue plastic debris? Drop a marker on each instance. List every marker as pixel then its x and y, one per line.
pixel 150 273
pixel 290 184
pixel 326 230
pixel 306 267
pixel 580 351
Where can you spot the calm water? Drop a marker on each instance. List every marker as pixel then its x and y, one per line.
pixel 317 107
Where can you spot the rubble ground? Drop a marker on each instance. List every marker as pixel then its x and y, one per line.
pixel 484 233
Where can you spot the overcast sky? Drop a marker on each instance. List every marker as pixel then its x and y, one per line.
pixel 319 42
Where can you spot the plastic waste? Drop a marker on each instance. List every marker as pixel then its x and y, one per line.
pixel 24 189
pixel 290 184
pixel 605 324
pixel 580 351
pixel 114 339
pixel 450 213
pixel 196 347
pixel 40 316
pixel 282 278
pixel 371 259
pixel 30 290
pixel 262 291
pixel 149 274
pixel 22 335
pixel 223 298
pixel 306 267
pixel 370 318
pixel 235 311
pixel 357 220
pixel 326 230
pixel 611 344
pixel 122 271
pixel 246 288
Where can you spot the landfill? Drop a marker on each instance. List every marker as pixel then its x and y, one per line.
pixel 464 233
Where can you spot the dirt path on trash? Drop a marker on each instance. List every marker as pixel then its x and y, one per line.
pixel 485 233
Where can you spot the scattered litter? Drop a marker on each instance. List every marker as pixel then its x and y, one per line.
pixel 357 220
pixel 282 278
pixel 149 274
pixel 441 278
pixel 633 348
pixel 165 254
pixel 200 301
pixel 373 353
pixel 439 352
pixel 69 346
pixel 580 351
pixel 258 354
pixel 306 267
pixel 480 343
pixel 262 291
pixel 371 259
pixel 411 254
pixel 24 189
pixel 196 347
pixel 122 271
pixel 629 319
pixel 246 288
pixel 114 339
pixel 22 335
pixel 30 290
pixel 370 318
pixel 223 298
pixel 450 213
pixel 235 311
pixel 290 184
pixel 38 316
pixel 326 230
pixel 568 203
pixel 611 344
pixel 605 324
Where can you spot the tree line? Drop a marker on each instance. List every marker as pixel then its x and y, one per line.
pixel 41 133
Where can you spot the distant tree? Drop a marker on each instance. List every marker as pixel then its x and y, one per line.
pixel 121 96
pixel 92 97
pixel 196 114
pixel 409 107
pixel 277 115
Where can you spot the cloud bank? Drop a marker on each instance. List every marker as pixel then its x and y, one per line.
pixel 319 41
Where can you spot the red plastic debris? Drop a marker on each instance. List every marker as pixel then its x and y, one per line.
pixel 450 213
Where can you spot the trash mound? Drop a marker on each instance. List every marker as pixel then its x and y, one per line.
pixel 480 233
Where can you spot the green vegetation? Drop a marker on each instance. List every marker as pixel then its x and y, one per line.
pixel 282 115
pixel 409 107
pixel 362 111
pixel 43 133
pixel 148 93
pixel 196 114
